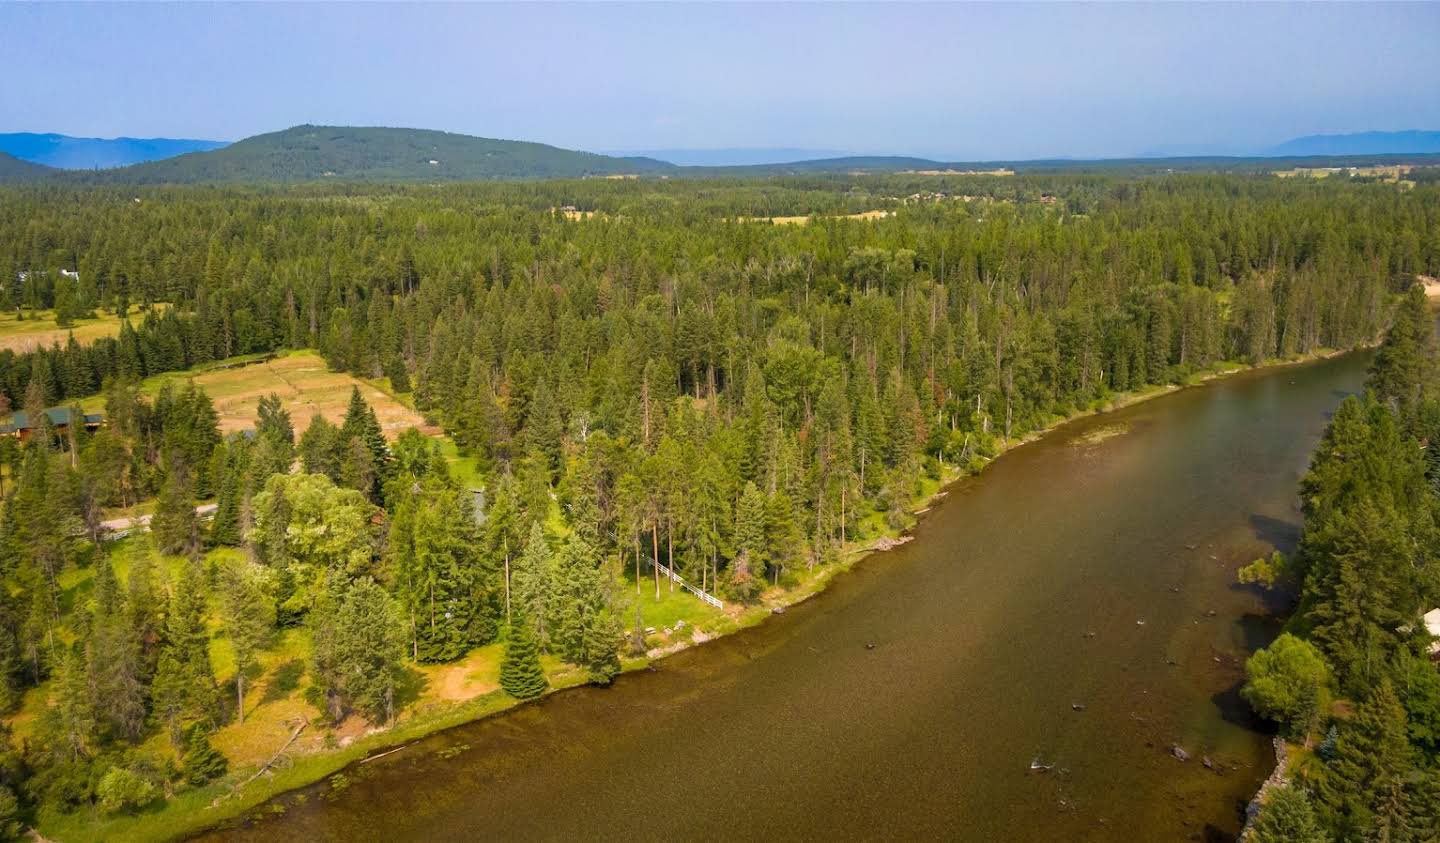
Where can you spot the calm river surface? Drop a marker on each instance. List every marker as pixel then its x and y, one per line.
pixel 1096 575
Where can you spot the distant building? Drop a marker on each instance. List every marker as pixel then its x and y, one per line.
pixel 61 418
pixel 1432 625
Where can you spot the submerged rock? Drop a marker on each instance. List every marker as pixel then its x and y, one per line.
pixel 1179 752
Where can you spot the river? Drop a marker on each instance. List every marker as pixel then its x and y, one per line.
pixel 1073 604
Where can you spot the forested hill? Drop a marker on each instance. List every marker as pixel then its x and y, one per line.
pixel 308 154
pixel 344 153
pixel 12 169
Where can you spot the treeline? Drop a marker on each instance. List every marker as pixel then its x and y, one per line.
pixel 1352 678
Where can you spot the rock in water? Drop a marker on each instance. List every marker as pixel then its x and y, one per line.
pixel 1179 752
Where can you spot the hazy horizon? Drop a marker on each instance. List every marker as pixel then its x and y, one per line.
pixel 958 82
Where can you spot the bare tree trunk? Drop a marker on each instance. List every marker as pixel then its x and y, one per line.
pixel 655 548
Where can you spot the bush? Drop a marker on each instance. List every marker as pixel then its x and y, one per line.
pixel 123 790
pixel 1288 682
pixel 1264 572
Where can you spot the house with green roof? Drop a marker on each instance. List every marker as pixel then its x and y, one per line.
pixel 21 425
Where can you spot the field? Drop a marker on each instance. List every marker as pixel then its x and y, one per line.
pixel 805 220
pixel 40 330
pixel 1391 173
pixel 305 387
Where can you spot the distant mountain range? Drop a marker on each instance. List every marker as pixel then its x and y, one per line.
pixel 735 156
pixel 1360 143
pixel 68 153
pixel 342 153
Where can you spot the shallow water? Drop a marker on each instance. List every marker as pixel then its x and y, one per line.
pixel 1081 570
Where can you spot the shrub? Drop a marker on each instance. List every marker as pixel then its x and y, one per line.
pixel 123 790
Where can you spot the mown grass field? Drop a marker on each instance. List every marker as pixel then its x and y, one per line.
pixel 305 385
pixel 40 331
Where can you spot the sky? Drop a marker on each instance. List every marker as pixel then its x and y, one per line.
pixel 961 82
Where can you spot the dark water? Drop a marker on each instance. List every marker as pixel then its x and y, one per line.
pixel 1022 594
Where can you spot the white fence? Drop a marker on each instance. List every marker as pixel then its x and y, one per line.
pixel 707 597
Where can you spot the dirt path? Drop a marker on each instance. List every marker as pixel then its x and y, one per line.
pixel 122 526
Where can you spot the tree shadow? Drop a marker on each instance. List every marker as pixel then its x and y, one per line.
pixel 408 687
pixel 284 679
pixel 1280 534
pixel 1234 710
pixel 1259 630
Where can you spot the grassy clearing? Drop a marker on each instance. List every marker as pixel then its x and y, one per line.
pixel 301 379
pixel 805 220
pixel 39 330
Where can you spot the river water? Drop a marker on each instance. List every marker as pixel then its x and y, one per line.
pixel 910 699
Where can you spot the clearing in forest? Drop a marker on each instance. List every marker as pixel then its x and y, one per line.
pixel 305 386
pixel 40 330
pixel 805 220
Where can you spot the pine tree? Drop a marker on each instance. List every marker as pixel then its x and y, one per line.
pixel 1287 816
pixel 1404 367
pixel 358 648
pixel 320 448
pixel 68 724
pixel 229 461
pixel 544 430
pixel 520 673
pixel 533 584
pixel 747 576
pixel 361 424
pixel 783 535
pixel 274 450
pixel 586 630
pixel 175 525
pixel 247 602
pixel 184 691
pixel 433 554
pixel 1365 783
pixel 114 661
pixel 203 762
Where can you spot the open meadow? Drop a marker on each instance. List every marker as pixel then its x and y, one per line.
pixel 305 385
pixel 39 329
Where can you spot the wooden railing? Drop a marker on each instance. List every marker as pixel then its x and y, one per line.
pixel 703 595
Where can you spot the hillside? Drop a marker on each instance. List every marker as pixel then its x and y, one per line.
pixel 307 153
pixel 12 169
pixel 1361 143
pixel 71 153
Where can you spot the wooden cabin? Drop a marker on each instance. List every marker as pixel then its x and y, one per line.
pixel 61 418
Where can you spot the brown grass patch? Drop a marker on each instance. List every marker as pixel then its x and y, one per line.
pixel 305 386
pixel 42 332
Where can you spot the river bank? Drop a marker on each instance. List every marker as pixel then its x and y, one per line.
pixel 194 811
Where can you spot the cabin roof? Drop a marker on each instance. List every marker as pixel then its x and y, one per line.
pixel 59 417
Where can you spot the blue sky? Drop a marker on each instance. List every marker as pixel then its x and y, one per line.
pixel 965 81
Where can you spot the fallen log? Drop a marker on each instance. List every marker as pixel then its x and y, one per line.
pixel 265 768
